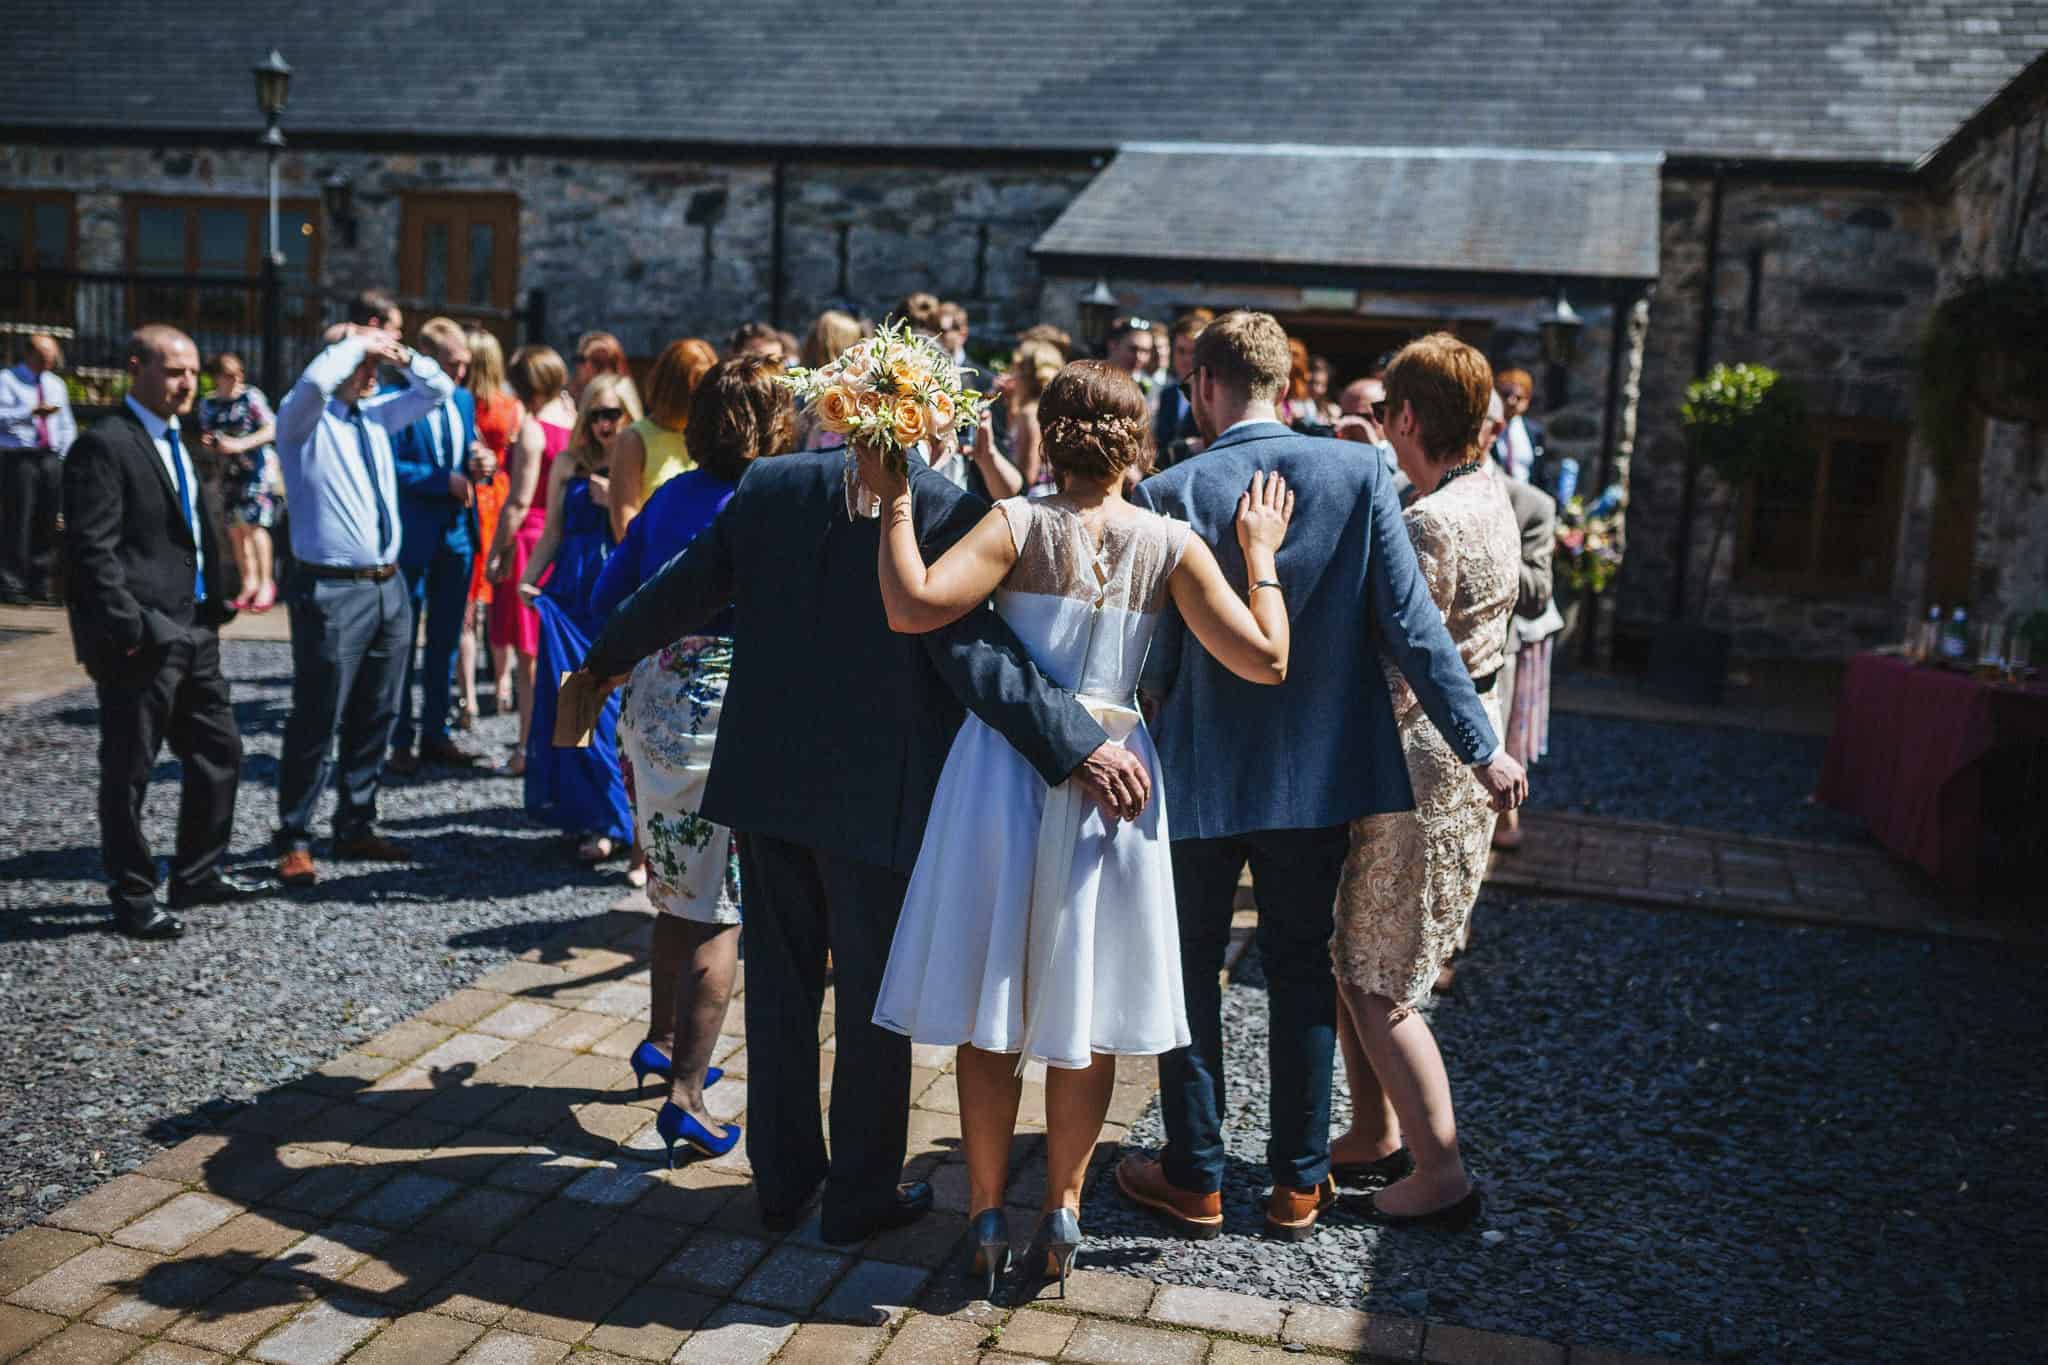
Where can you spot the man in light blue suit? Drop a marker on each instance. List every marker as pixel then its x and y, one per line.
pixel 438 508
pixel 1273 776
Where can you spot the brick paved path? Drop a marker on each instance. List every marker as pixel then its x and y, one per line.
pixel 1735 874
pixel 483 1182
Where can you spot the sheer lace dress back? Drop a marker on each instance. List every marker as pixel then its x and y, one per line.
pixel 1087 612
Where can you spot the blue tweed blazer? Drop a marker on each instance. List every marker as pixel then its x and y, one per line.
pixel 1321 748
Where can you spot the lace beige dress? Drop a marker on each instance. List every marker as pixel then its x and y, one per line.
pixel 1411 876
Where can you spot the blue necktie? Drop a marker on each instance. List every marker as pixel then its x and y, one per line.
pixel 185 506
pixel 355 417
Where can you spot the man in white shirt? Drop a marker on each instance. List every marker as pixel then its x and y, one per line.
pixel 351 618
pixel 36 428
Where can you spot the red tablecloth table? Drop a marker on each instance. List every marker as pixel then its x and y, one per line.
pixel 1906 751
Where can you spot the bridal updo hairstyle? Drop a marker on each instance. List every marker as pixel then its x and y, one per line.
pixel 739 414
pixel 1093 418
pixel 1449 384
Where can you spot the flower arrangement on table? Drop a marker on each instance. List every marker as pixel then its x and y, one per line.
pixel 1590 540
pixel 892 391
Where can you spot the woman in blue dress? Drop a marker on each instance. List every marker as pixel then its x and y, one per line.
pixel 577 790
pixel 668 727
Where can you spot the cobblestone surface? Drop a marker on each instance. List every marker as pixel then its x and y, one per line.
pixel 1699 1137
pixel 109 1048
pixel 1718 777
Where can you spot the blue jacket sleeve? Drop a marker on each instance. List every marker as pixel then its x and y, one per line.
pixel 689 590
pixel 412 458
pixel 985 663
pixel 1413 632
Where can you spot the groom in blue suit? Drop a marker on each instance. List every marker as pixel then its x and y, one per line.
pixel 438 546
pixel 1273 776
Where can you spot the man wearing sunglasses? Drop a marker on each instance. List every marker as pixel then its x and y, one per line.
pixel 434 461
pixel 1363 406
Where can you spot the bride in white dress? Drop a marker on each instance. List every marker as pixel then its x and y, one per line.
pixel 1036 927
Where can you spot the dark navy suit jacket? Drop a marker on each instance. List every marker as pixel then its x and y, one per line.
pixel 431 515
pixel 1320 749
pixel 834 728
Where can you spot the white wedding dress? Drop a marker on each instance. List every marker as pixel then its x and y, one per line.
pixel 1030 927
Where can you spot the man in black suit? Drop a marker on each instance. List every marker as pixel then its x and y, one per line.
pixel 149 586
pixel 830 743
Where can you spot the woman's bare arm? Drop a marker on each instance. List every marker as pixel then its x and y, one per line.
pixel 1252 640
pixel 551 534
pixel 627 456
pixel 522 471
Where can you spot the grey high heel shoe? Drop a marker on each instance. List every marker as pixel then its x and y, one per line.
pixel 991 1233
pixel 1058 1239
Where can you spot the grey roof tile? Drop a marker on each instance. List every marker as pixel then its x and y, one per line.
pixel 1877 80
pixel 1565 214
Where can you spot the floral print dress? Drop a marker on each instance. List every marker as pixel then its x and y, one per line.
pixel 668 727
pixel 248 482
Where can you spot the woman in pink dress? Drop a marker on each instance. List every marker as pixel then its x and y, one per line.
pixel 540 380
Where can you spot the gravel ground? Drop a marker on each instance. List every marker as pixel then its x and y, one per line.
pixel 1699 1137
pixel 1716 777
pixel 110 1049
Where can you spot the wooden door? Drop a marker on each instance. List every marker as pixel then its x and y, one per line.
pixel 1952 555
pixel 458 255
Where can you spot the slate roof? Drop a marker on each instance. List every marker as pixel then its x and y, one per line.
pixel 1582 214
pixel 1832 80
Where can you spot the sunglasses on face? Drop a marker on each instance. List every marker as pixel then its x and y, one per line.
pixel 1134 325
pixel 606 414
pixel 1379 412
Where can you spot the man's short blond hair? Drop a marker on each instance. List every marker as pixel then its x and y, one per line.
pixel 1247 352
pixel 443 335
pixel 1448 383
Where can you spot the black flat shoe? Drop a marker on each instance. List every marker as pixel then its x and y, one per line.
pixel 1395 1165
pixel 1449 1218
pixel 912 1202
pixel 225 889
pixel 147 921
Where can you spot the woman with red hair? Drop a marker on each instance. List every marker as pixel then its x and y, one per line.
pixel 652 451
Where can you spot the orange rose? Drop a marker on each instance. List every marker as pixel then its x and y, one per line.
pixel 942 412
pixel 908 422
pixel 907 373
pixel 836 408
pixel 869 402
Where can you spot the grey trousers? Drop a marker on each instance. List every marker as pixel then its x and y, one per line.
pixel 350 638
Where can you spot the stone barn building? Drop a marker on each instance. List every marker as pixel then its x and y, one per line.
pixel 1796 185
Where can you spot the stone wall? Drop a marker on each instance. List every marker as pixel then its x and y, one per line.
pixel 1842 279
pixel 650 250
pixel 1997 206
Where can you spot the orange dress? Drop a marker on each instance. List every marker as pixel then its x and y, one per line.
pixel 497 419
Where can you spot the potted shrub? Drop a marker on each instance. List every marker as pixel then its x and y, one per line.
pixel 1741 422
pixel 1984 352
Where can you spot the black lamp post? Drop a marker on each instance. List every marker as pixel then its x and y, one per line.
pixel 273 86
pixel 1098 310
pixel 1559 328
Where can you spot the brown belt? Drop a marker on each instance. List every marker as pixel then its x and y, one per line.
pixel 375 574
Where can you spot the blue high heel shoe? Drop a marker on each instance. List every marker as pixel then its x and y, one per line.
pixel 649 1060
pixel 989 1232
pixel 1054 1246
pixel 676 1126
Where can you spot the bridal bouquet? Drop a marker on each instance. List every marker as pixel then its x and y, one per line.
pixel 893 390
pixel 1589 540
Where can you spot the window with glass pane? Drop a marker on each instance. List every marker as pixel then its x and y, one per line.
pixel 295 242
pixel 481 236
pixel 14 250
pixel 52 236
pixel 1829 526
pixel 1854 540
pixel 434 261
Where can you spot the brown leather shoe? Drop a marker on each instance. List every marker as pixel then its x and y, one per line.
pixel 1144 1182
pixel 372 848
pixel 296 868
pixel 1291 1213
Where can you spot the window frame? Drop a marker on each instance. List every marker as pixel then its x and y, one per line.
pixel 1809 580
pixel 57 311
pixel 462 209
pixel 192 205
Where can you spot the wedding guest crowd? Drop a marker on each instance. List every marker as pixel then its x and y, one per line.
pixel 1146 594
